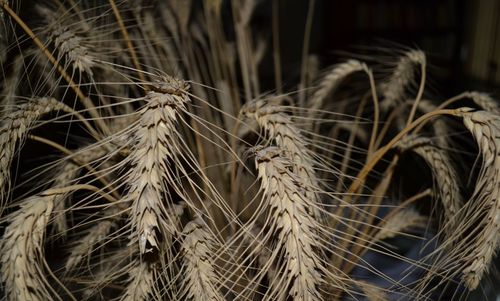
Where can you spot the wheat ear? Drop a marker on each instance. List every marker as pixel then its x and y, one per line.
pixel 22 250
pixel 292 221
pixel 444 174
pixel 155 142
pixel 393 90
pixel 13 131
pixel 332 80
pixel 485 127
pixel 282 132
pixel 197 248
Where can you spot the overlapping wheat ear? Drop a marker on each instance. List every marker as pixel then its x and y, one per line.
pixel 292 220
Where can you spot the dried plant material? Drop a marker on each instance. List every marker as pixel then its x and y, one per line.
pixel 96 234
pixel 332 80
pixel 445 177
pixel 281 131
pixel 199 272
pixel 141 283
pixel 393 90
pixel 154 138
pixel 14 128
pixel 371 292
pixel 293 222
pixel 398 223
pixel 22 250
pixel 485 101
pixel 485 127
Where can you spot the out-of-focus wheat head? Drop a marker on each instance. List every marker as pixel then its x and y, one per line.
pixel 141 160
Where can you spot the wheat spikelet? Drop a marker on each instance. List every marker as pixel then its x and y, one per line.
pixel 22 250
pixel 393 90
pixel 332 80
pixel 200 277
pixel 14 128
pixel 154 143
pixel 485 127
pixel 444 174
pixel 141 283
pixel 399 222
pixel 292 221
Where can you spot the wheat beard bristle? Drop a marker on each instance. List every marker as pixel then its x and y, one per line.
pixel 21 250
pixel 200 277
pixel 155 142
pixel 485 127
pixel 293 223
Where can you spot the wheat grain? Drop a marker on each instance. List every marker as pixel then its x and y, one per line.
pixel 22 250
pixel 485 101
pixel 485 127
pixel 292 221
pixel 444 174
pixel 200 278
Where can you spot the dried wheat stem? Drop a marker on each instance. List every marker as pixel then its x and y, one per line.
pixel 485 127
pixel 445 176
pixel 200 278
pixel 293 222
pixel 22 248
pixel 155 141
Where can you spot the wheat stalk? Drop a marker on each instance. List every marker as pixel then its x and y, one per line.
pixel 293 222
pixel 200 278
pixel 141 283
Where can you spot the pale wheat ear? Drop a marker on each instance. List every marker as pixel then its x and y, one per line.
pixel 484 206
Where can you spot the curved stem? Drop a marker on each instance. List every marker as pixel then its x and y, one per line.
pixel 70 188
pixel 377 156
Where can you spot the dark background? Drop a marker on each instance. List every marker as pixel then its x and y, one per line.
pixel 461 38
